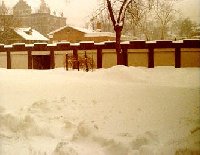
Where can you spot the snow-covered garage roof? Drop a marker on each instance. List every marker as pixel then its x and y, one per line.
pixel 88 32
pixel 73 27
pixel 100 34
pixel 30 34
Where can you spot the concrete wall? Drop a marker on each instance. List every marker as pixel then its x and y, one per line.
pixel 91 54
pixel 164 57
pixel 190 57
pixel 138 57
pixel 60 57
pixel 19 60
pixel 109 58
pixel 3 60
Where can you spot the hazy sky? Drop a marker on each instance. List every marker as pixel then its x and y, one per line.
pixel 77 11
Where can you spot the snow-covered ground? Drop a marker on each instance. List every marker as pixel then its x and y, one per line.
pixel 115 111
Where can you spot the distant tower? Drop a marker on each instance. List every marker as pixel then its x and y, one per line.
pixel 44 8
pixel 3 9
pixel 21 8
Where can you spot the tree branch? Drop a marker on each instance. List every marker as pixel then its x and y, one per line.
pixel 111 12
pixel 122 11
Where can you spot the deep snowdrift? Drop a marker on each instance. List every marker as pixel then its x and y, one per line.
pixel 116 111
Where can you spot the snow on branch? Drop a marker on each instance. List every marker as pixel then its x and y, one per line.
pixel 122 11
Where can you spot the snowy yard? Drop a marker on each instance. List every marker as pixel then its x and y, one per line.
pixel 115 111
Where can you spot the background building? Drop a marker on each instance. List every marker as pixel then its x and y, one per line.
pixel 24 35
pixel 75 34
pixel 42 21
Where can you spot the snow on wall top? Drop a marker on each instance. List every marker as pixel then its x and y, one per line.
pixel 30 34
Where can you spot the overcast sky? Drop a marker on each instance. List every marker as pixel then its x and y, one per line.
pixel 77 11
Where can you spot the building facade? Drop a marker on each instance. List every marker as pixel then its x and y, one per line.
pixel 75 34
pixel 42 20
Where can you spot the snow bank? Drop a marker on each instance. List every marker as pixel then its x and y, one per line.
pixel 116 111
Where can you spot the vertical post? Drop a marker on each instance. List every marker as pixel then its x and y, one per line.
pixel 151 58
pixel 78 65
pixel 75 57
pixel 92 65
pixel 99 57
pixel 125 56
pixel 66 61
pixel 52 59
pixel 177 57
pixel 30 59
pixel 8 60
pixel 120 55
pixel 86 63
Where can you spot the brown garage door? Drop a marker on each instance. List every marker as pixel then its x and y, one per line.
pixel 41 61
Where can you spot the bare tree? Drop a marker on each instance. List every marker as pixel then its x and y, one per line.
pixel 100 18
pixel 116 11
pixel 7 22
pixel 185 28
pixel 148 16
pixel 117 16
pixel 164 13
pixel 139 17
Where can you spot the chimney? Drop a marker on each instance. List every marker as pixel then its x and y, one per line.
pixel 98 27
pixel 29 31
